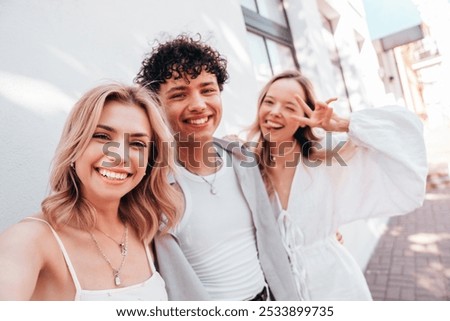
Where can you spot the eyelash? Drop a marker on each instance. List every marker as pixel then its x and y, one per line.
pixel 177 96
pixel 137 144
pixel 183 95
pixel 101 136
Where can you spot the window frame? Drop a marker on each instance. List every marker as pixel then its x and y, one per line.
pixel 268 29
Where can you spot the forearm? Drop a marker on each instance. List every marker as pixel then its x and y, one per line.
pixel 342 125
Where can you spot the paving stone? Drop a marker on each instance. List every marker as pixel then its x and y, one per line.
pixel 412 259
pixel 392 293
pixel 381 280
pixel 407 294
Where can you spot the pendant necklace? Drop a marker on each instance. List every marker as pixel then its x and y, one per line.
pixel 274 156
pixel 123 250
pixel 212 188
pixel 122 244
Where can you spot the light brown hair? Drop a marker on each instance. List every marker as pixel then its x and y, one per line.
pixel 151 203
pixel 304 135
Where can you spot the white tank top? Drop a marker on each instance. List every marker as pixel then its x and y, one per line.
pixel 153 289
pixel 217 235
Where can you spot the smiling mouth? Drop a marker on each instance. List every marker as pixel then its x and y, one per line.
pixel 273 125
pixel 112 175
pixel 198 121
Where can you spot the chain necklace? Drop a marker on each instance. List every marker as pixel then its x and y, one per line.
pixel 212 188
pixel 274 156
pixel 123 246
pixel 124 252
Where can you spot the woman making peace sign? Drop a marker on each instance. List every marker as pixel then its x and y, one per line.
pixel 372 165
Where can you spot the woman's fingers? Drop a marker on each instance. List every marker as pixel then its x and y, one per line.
pixel 330 100
pixel 308 111
pixel 327 117
pixel 321 109
pixel 321 116
pixel 303 121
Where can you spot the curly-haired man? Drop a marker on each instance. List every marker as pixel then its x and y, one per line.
pixel 227 245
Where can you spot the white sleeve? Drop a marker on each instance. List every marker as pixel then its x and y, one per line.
pixel 386 174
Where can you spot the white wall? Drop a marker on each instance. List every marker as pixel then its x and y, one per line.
pixel 53 51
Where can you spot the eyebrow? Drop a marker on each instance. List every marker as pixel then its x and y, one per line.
pixel 206 84
pixel 184 87
pixel 177 88
pixel 110 129
pixel 290 102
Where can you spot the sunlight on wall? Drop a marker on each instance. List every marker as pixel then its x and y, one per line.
pixel 236 44
pixel 35 95
pixel 70 60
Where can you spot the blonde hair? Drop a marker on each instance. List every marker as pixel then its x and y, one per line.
pixel 304 135
pixel 152 203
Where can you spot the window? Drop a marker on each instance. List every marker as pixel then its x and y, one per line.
pixel 269 57
pixel 269 38
pixel 249 4
pixel 260 57
pixel 270 9
pixel 281 56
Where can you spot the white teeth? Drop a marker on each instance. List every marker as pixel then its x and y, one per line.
pixel 273 124
pixel 198 121
pixel 112 175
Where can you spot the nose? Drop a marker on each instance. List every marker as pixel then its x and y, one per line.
pixel 197 102
pixel 117 153
pixel 275 110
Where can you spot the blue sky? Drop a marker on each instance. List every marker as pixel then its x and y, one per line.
pixel 386 17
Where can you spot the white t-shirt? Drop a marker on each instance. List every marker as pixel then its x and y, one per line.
pixel 217 235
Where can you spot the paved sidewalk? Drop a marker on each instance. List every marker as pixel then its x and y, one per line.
pixel 412 258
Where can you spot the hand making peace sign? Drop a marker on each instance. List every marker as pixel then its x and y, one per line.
pixel 322 116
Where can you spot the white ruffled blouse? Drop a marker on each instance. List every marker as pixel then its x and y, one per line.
pixel 384 176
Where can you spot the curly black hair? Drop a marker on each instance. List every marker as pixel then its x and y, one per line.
pixel 179 58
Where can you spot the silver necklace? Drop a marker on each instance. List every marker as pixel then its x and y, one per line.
pixel 122 244
pixel 212 188
pixel 274 156
pixel 116 272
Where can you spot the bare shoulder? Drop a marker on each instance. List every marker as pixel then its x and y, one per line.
pixel 27 235
pixel 25 250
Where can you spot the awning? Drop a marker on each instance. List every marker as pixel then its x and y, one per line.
pixel 394 22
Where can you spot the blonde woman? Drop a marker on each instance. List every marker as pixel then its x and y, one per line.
pixel 109 186
pixel 375 166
